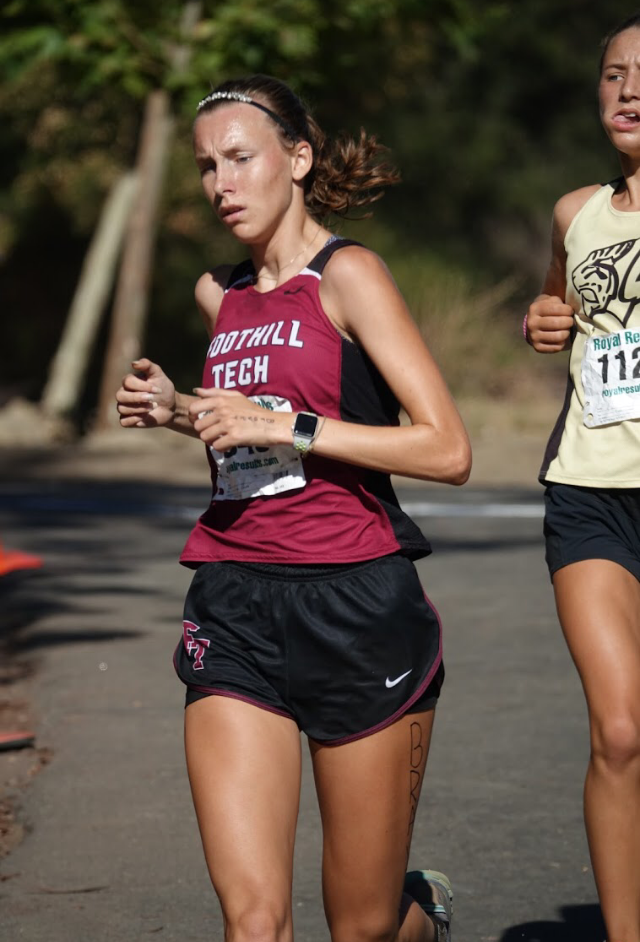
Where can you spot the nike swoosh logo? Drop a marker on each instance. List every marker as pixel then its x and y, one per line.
pixel 392 683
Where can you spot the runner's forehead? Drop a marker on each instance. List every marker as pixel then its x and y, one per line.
pixel 226 126
pixel 623 48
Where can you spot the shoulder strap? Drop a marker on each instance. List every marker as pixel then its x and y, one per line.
pixel 332 245
pixel 241 273
pixel 244 271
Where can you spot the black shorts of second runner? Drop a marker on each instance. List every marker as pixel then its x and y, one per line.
pixel 343 650
pixel 592 523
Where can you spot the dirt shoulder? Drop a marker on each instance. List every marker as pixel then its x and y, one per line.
pixel 18 766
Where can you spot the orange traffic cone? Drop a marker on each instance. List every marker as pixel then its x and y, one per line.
pixel 16 740
pixel 12 560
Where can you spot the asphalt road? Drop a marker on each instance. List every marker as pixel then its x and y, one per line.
pixel 113 852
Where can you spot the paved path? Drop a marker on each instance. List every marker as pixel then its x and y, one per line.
pixel 112 851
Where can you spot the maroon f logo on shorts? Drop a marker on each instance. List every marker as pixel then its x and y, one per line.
pixel 193 645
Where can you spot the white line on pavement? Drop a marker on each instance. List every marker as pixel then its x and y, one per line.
pixel 434 509
pixel 424 508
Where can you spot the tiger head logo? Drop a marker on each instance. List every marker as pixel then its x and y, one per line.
pixel 608 280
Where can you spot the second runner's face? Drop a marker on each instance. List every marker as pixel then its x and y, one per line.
pixel 247 175
pixel 619 92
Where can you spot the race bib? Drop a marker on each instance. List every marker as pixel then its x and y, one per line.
pixel 252 471
pixel 611 378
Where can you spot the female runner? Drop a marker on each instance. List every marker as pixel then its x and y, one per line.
pixel 305 611
pixel 592 472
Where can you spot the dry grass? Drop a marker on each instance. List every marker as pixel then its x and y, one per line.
pixel 508 396
pixel 475 335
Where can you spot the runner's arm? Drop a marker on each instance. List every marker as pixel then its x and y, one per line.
pixel 147 397
pixel 550 319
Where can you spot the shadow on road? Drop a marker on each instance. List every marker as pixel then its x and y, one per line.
pixel 577 924
pixel 26 598
pixel 19 607
pixel 86 536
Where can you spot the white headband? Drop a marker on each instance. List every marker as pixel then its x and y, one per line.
pixel 238 96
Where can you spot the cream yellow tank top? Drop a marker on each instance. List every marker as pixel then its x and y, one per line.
pixel 596 440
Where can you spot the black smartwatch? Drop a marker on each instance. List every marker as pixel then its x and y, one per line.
pixel 304 431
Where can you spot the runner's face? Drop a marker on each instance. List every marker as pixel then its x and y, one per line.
pixel 619 92
pixel 247 175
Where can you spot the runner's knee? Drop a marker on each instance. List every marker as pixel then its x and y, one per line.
pixel 258 923
pixel 615 740
pixel 368 927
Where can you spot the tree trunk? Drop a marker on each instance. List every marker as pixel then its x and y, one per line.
pixel 131 301
pixel 70 363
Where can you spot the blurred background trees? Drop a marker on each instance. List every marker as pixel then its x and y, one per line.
pixel 488 107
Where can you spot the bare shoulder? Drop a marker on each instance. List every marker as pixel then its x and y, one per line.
pixel 569 205
pixel 353 261
pixel 209 293
pixel 358 292
pixel 565 211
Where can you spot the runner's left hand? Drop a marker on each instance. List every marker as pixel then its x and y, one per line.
pixel 225 418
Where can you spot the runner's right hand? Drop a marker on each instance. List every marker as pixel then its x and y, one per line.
pixel 147 398
pixel 549 323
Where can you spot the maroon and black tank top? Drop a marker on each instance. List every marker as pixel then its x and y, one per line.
pixel 268 505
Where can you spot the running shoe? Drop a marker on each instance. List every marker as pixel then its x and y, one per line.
pixel 432 892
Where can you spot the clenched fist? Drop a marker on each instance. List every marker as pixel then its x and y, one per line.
pixel 147 398
pixel 549 323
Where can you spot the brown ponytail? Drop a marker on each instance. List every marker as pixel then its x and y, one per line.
pixel 347 173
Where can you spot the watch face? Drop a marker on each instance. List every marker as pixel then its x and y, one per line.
pixel 305 424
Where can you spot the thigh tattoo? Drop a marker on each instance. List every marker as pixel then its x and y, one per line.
pixel 416 770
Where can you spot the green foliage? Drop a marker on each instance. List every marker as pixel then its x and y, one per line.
pixel 132 47
pixel 488 107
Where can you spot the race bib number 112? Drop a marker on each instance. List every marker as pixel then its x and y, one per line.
pixel 611 378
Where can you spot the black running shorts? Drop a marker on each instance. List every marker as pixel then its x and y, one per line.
pixel 343 650
pixel 592 523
